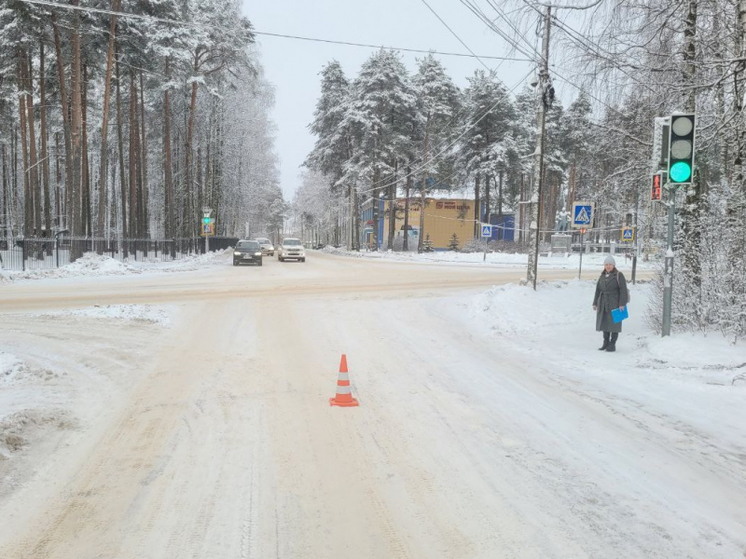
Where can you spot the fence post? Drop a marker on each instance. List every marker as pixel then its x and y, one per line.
pixel 57 250
pixel 23 255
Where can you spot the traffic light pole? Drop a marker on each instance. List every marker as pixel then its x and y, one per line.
pixel 637 236
pixel 668 270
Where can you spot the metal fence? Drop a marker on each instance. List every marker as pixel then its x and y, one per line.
pixel 49 253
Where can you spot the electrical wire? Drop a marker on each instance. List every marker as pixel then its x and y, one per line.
pixel 492 71
pixel 454 34
pixel 254 32
pixel 534 53
pixel 553 67
pixel 484 19
pixel 187 24
pixel 441 152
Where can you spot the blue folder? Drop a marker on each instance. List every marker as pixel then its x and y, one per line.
pixel 618 316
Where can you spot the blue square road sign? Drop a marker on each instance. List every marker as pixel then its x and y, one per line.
pixel 582 214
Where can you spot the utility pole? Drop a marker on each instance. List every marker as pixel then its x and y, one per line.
pixel 545 94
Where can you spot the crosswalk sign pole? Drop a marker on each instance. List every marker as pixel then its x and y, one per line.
pixel 580 267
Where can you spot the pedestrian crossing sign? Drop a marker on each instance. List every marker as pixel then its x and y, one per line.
pixel 628 234
pixel 582 214
pixel 207 229
pixel 486 231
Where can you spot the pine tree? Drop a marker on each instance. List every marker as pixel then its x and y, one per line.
pixel 380 112
pixel 489 141
pixel 453 244
pixel 438 105
pixel 333 148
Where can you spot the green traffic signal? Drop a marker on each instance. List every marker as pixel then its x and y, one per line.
pixel 206 220
pixel 681 148
pixel 680 171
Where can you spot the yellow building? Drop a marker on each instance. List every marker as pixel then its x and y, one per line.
pixel 443 218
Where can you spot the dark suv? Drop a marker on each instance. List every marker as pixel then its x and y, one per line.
pixel 247 252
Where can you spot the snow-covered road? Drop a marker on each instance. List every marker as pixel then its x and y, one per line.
pixel 213 438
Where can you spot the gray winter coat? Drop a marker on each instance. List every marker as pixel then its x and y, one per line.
pixel 611 293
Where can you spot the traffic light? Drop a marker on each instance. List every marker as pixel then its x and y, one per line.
pixel 206 220
pixel 681 149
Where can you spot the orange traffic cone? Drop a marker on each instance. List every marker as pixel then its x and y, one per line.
pixel 344 392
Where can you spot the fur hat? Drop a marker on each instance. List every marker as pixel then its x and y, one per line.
pixel 610 260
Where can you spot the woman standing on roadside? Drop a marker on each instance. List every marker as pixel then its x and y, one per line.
pixel 611 293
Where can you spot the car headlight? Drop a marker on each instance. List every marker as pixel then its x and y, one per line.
pixel 236 253
pixel 257 254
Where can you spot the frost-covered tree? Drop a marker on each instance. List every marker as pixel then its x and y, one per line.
pixel 489 142
pixel 124 127
pixel 438 106
pixel 379 120
pixel 333 147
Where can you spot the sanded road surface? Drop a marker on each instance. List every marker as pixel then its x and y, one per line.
pixel 223 443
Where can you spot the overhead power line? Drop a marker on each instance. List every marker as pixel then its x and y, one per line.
pixel 263 33
pixel 454 33
pixel 534 56
pixel 450 145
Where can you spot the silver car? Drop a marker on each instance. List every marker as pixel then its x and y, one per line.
pixel 268 248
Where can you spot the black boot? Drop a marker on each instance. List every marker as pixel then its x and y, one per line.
pixel 612 343
pixel 606 341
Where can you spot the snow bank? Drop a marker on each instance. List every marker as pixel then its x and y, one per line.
pixel 156 314
pixel 499 259
pixel 187 263
pixel 10 368
pixel 557 320
pixel 89 265
pixel 516 309
pixel 18 430
pixel 97 265
pixel 24 415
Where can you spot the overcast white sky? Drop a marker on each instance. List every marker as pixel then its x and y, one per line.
pixel 293 66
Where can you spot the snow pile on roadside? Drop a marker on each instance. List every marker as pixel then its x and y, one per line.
pixel 18 429
pixel 88 265
pixel 92 264
pixel 516 309
pixel 350 253
pixel 97 265
pixel 19 426
pixel 558 317
pixel 156 314
pixel 11 368
pixel 187 263
pixel 14 371
pixel 501 259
